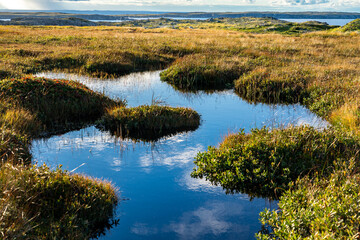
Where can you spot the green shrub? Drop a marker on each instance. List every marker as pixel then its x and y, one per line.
pixel 265 161
pixel 37 203
pixel 149 122
pixel 317 208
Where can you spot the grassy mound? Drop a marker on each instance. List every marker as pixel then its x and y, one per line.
pixel 352 26
pixel 264 162
pixel 202 73
pixel 54 102
pixel 37 203
pixel 265 85
pixel 149 122
pixel 319 208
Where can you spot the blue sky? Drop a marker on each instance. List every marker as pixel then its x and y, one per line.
pixel 185 5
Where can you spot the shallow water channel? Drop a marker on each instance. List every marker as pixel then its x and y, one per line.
pixel 161 200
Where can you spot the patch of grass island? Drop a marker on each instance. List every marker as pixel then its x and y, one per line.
pixel 149 123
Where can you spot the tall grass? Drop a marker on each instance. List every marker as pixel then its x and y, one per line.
pixel 54 103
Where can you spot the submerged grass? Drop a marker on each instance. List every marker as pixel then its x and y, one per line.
pixel 149 122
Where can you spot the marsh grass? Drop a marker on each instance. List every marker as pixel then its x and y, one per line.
pixel 264 162
pixel 53 103
pixel 149 123
pixel 196 72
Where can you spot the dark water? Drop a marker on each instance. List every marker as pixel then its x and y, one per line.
pixel 338 22
pixel 163 201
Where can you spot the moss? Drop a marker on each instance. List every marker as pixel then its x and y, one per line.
pixel 37 203
pixel 264 162
pixel 149 122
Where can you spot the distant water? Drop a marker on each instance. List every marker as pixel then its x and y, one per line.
pixel 339 22
pixel 5 20
pixel 150 18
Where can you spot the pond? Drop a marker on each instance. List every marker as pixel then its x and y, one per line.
pixel 161 200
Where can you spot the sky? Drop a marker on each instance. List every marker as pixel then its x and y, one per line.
pixel 185 5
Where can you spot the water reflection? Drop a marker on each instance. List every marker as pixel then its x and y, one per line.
pixel 165 202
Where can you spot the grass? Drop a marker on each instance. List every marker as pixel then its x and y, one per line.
pixel 149 123
pixel 38 203
pixel 196 72
pixel 264 162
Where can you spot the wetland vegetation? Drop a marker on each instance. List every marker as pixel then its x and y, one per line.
pixel 149 123
pixel 319 70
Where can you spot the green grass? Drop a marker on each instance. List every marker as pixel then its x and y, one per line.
pixel 39 203
pixel 264 162
pixel 149 123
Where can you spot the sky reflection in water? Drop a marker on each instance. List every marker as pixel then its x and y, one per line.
pixel 164 202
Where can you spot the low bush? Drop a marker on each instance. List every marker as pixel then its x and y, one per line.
pixel 149 122
pixel 264 162
pixel 317 208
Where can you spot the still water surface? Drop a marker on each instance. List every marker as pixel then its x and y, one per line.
pixel 162 200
